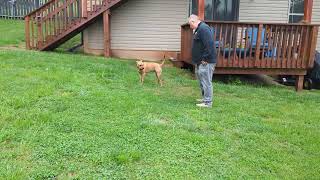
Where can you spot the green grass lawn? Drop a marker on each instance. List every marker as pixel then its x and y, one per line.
pixel 76 40
pixel 74 116
pixel 12 34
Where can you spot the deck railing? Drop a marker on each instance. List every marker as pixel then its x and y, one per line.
pixel 49 20
pixel 257 45
pixel 56 18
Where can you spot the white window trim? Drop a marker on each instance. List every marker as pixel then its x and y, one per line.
pixel 296 14
pixel 292 14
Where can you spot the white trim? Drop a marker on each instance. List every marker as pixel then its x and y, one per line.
pixel 289 5
pixel 296 14
pixel 292 14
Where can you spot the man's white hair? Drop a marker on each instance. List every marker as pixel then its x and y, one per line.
pixel 194 18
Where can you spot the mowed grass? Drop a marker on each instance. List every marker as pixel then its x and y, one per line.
pixel 72 116
pixel 12 33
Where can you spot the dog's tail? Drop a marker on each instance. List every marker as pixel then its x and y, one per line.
pixel 164 59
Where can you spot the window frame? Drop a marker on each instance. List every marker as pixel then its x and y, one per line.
pixel 236 13
pixel 292 13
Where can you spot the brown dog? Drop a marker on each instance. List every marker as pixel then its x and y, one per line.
pixel 145 67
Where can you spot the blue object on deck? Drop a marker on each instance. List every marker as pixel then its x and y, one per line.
pixel 271 53
pixel 241 52
pixel 253 32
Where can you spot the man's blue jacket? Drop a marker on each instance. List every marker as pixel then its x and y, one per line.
pixel 202 46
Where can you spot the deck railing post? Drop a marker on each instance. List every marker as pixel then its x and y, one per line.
pixel 186 42
pixel 27 31
pixel 106 30
pixel 299 82
pixel 312 46
pixel 308 6
pixel 39 33
pixel 84 8
pixel 258 45
pixel 182 43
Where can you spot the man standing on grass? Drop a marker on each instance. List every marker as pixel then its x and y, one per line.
pixel 204 57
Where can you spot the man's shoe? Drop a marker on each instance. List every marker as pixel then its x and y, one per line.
pixel 199 100
pixel 205 105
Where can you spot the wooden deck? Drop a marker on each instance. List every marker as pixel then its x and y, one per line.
pixel 259 48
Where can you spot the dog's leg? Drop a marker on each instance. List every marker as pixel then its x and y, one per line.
pixel 142 77
pixel 158 74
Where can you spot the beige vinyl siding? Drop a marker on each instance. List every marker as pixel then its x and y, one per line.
pixel 143 25
pixel 148 25
pixel 316 18
pixel 264 11
pixel 94 35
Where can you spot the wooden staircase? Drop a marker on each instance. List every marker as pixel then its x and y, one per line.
pixel 59 20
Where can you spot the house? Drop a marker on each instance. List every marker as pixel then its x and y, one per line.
pixel 148 29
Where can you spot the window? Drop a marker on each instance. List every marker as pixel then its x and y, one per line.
pixel 219 10
pixel 222 10
pixel 296 10
pixel 193 7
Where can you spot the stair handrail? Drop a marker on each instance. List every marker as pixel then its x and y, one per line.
pixel 54 19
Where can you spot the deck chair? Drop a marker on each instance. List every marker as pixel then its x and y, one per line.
pixel 253 35
pixel 240 52
pixel 217 43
